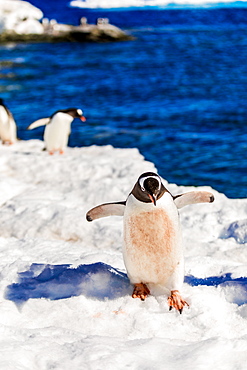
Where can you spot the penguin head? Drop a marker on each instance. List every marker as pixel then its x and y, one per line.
pixel 73 112
pixel 79 114
pixel 148 188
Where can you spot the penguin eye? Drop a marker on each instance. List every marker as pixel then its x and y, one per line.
pixel 79 111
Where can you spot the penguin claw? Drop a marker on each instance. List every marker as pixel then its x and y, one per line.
pixel 140 291
pixel 175 300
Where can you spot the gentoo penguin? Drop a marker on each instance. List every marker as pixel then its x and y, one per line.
pixel 152 248
pixel 7 125
pixel 58 128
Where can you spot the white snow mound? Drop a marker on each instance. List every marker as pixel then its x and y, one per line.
pixel 65 298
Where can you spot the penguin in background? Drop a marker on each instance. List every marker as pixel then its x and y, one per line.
pixel 7 125
pixel 58 128
pixel 152 248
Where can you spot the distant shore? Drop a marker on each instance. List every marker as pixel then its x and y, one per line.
pixel 103 31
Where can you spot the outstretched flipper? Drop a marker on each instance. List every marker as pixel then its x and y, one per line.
pixel 38 123
pixel 193 197
pixel 105 210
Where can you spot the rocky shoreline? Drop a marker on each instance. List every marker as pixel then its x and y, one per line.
pixel 22 22
pixel 101 32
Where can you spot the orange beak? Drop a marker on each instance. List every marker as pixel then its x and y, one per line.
pixel 153 198
pixel 83 119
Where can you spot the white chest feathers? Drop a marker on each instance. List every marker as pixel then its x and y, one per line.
pixel 7 126
pixel 57 131
pixel 152 240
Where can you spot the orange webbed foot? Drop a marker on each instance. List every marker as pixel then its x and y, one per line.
pixel 140 291
pixel 175 300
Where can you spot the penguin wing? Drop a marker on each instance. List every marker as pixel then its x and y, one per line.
pixel 193 197
pixel 105 210
pixel 39 122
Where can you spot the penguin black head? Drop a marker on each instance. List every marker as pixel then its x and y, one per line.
pixel 148 188
pixel 73 112
pixel 77 113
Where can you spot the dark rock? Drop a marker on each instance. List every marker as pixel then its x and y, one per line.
pixel 83 33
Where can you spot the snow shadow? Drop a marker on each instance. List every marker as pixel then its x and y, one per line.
pixel 235 289
pixel 98 280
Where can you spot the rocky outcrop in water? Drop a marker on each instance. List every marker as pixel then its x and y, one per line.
pixel 21 22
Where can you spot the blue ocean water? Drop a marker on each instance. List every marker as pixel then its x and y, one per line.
pixel 178 92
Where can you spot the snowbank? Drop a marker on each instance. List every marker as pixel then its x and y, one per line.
pixel 65 298
pixel 91 4
pixel 20 16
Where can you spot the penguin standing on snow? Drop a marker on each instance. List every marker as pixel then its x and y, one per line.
pixel 58 128
pixel 7 125
pixel 152 250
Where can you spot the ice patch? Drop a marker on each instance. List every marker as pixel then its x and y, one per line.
pixel 111 4
pixel 20 16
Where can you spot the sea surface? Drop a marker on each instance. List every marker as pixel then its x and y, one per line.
pixel 178 92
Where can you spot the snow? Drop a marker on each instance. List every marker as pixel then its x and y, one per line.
pixel 65 298
pixel 153 3
pixel 20 16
